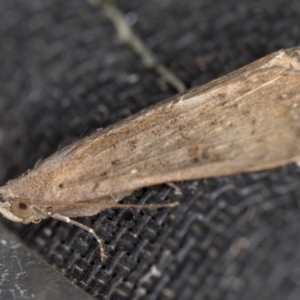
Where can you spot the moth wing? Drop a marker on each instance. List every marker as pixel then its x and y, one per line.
pixel 245 121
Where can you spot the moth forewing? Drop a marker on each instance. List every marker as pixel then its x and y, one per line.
pixel 245 121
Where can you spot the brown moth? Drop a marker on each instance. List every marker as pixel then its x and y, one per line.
pixel 245 121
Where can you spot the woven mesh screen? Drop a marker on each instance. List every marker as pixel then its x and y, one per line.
pixel 64 73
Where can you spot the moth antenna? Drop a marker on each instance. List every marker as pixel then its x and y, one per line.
pixel 84 227
pixel 121 206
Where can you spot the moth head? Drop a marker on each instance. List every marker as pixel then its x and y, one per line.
pixel 25 211
pixel 18 209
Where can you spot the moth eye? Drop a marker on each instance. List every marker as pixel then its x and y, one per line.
pixel 21 210
pixel 22 205
pixel 61 185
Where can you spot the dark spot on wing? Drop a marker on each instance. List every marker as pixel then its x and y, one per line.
pixel 96 185
pixel 132 144
pixel 115 162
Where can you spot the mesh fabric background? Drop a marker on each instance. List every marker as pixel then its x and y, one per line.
pixel 64 73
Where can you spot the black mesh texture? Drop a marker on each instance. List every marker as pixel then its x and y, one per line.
pixel 64 73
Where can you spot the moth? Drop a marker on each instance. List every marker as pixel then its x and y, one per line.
pixel 245 121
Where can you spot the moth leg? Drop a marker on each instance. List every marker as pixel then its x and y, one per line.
pixel 84 227
pixel 176 188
